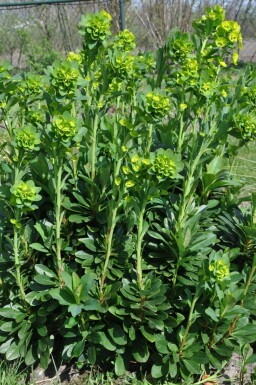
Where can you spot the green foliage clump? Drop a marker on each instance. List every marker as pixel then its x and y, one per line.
pixel 123 241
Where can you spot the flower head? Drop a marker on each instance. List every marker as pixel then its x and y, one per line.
pixel 157 105
pixel 27 138
pixel 165 164
pixel 64 126
pixel 245 123
pixel 24 194
pixel 72 56
pixel 95 27
pixel 219 269
pixel 125 40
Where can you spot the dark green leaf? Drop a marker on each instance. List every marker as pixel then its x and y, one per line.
pixel 140 351
pixel 120 368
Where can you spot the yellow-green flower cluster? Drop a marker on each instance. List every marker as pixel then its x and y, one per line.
pixel 72 56
pixel 115 86
pixel 123 65
pixel 144 64
pixel 250 95
pixel 95 27
pixel 27 138
pixel 157 105
pixel 34 83
pixel 64 77
pixel 165 164
pixel 137 171
pixel 125 41
pixel 246 124
pixel 24 194
pixel 190 68
pixel 228 33
pixel 36 117
pixel 219 269
pixel 212 18
pixel 64 126
pixel 180 47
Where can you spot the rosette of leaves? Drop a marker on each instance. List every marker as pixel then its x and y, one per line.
pixel 24 195
pixel 144 314
pixel 95 28
pixel 27 138
pixel 238 229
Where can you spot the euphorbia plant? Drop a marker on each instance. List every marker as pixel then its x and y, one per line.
pixel 116 194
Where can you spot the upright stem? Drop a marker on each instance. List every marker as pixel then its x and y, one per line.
pixel 58 214
pixel 17 262
pixel 109 240
pixel 94 143
pixel 189 322
pixel 150 138
pixel 140 235
pixel 110 231
pixel 181 134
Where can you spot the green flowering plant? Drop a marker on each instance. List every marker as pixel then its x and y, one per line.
pixel 179 46
pixel 144 64
pixel 76 57
pixel 123 236
pixel 35 117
